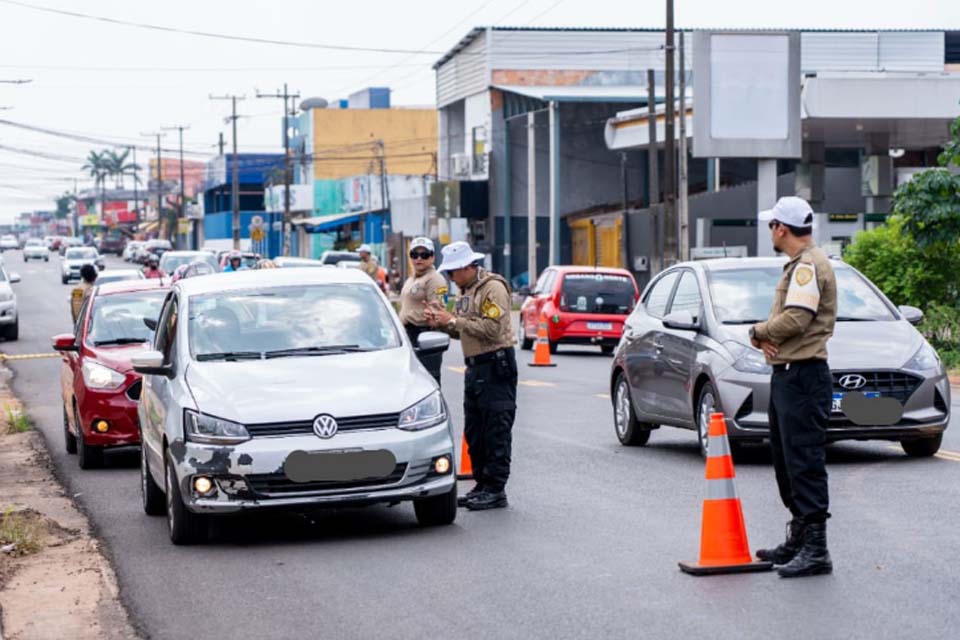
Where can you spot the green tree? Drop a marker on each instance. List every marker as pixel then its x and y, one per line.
pixel 118 166
pixel 63 205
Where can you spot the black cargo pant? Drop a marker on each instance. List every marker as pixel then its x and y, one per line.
pixel 489 408
pixel 800 403
pixel 431 362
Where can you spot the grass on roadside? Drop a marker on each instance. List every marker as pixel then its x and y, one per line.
pixel 26 531
pixel 16 421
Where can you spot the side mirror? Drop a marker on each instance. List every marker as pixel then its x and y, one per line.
pixel 432 342
pixel 152 323
pixel 65 342
pixel 150 363
pixel 14 278
pixel 911 314
pixel 682 320
pixel 524 291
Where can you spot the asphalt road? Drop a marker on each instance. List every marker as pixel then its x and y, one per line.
pixel 588 548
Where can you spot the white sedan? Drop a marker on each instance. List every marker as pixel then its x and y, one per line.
pixel 35 249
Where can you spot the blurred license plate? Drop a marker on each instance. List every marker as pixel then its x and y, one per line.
pixel 347 466
pixel 838 399
pixel 600 326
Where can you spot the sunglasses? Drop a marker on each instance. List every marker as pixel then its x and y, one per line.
pixel 772 225
pixel 418 255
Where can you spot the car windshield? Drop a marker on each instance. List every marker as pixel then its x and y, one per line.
pixel 597 293
pixel 81 254
pixel 742 296
pixel 34 243
pixel 289 321
pixel 118 318
pixel 169 263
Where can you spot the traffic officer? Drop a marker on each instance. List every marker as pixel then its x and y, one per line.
pixel 482 323
pixel 368 264
pixel 88 276
pixel 423 287
pixel 794 341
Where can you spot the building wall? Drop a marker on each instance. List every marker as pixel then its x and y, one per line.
pixel 464 74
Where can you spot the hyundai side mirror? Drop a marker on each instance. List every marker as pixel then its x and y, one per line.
pixel 14 278
pixel 65 342
pixel 911 314
pixel 432 342
pixel 681 320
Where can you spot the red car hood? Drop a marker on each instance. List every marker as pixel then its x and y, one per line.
pixel 118 357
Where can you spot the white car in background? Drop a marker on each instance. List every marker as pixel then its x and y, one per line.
pixel 130 251
pixel 76 257
pixel 9 319
pixel 117 275
pixel 8 242
pixel 35 249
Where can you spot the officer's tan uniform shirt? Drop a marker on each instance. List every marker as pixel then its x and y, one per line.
pixel 370 267
pixel 804 309
pixel 483 315
pixel 417 293
pixel 77 297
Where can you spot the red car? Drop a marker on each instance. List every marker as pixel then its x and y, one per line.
pixel 583 305
pixel 99 387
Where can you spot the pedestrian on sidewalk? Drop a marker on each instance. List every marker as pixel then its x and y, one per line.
pixel 794 341
pixel 482 324
pixel 425 286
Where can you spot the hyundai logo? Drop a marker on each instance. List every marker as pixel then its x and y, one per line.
pixel 852 381
pixel 325 426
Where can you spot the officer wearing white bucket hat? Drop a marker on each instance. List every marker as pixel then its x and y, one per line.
pixel 424 286
pixel 482 323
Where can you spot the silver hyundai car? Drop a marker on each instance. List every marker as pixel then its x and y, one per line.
pixel 685 353
pixel 288 388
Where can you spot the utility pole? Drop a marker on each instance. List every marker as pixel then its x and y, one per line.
pixel 287 167
pixel 221 143
pixel 136 190
pixel 683 203
pixel 235 179
pixel 76 210
pixel 625 217
pixel 669 149
pixel 531 199
pixel 159 174
pixel 653 175
pixel 183 197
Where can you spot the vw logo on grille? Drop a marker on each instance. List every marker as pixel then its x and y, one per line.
pixel 325 426
pixel 852 381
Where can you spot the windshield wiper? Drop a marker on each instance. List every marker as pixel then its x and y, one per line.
pixel 853 319
pixel 315 351
pixel 231 355
pixel 102 343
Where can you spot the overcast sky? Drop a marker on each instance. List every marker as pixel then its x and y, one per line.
pixel 113 81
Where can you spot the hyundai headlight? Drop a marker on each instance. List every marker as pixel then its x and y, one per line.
pixel 97 376
pixel 924 359
pixel 429 412
pixel 747 359
pixel 209 430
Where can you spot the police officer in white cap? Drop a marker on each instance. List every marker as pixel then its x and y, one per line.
pixel 368 263
pixel 482 323
pixel 425 286
pixel 794 341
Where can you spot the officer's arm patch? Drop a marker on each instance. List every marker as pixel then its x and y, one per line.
pixel 491 310
pixel 804 291
pixel 441 291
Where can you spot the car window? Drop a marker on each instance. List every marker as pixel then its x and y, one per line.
pixel 687 296
pixel 169 263
pixel 167 329
pixel 597 293
pixel 118 318
pixel 659 295
pixel 541 284
pixel 81 254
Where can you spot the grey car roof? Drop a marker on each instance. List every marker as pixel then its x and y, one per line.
pixel 721 264
pixel 256 278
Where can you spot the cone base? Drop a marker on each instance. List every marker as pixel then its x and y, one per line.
pixel 695 569
pixel 533 364
pixel 464 476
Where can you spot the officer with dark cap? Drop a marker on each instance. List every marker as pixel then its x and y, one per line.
pixel 794 341
pixel 482 323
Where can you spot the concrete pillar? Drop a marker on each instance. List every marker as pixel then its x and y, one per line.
pixel 766 198
pixel 713 174
pixel 877 175
pixel 810 175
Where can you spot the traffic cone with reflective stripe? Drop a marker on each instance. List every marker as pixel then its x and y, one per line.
pixel 541 354
pixel 723 536
pixel 465 470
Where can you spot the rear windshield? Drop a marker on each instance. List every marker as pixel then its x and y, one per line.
pixel 597 293
pixel 81 254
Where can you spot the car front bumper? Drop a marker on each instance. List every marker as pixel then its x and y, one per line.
pixel 118 409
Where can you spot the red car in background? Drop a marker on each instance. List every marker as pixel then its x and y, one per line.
pixel 99 388
pixel 583 305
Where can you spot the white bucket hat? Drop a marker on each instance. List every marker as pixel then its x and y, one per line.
pixel 364 248
pixel 791 210
pixel 458 255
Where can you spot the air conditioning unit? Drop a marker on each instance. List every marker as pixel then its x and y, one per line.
pixel 461 164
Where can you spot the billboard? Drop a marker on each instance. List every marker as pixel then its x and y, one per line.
pixel 301 198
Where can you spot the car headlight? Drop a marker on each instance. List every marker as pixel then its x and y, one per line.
pixel 747 359
pixel 924 359
pixel 97 376
pixel 428 412
pixel 6 296
pixel 209 430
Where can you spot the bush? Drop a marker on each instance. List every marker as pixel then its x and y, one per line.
pixel 941 327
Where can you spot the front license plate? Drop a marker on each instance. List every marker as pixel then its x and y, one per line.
pixel 838 399
pixel 340 466
pixel 600 326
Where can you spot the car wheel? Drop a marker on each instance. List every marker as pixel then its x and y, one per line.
pixel 630 431
pixel 63 280
pixel 606 349
pixel 525 343
pixel 922 447
pixel 706 404
pixel 88 456
pixel 69 439
pixel 46 258
pixel 154 503
pixel 186 527
pixel 553 346
pixel 437 510
pixel 13 331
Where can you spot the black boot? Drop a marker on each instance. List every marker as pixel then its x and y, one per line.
pixel 487 499
pixel 785 552
pixel 813 558
pixel 462 500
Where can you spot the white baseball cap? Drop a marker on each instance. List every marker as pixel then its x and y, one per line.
pixel 791 210
pixel 364 248
pixel 422 243
pixel 458 255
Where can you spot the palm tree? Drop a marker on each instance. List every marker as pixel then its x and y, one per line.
pixel 119 167
pixel 99 167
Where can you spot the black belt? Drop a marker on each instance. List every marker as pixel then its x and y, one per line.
pixel 488 357
pixel 798 363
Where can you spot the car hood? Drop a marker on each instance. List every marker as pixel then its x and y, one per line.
pixel 300 388
pixel 858 345
pixel 118 357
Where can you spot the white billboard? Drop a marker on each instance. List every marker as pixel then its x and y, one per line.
pixel 301 198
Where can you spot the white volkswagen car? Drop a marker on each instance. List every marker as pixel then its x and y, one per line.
pixel 35 250
pixel 288 388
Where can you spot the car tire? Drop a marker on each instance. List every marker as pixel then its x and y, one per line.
pixel 630 431
pixel 63 280
pixel 46 258
pixel 526 344
pixel 553 346
pixel 154 501
pixel 607 349
pixel 186 527
pixel 437 510
pixel 922 447
pixel 88 456
pixel 12 332
pixel 69 439
pixel 706 404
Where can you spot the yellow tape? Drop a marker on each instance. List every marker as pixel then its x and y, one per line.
pixel 28 356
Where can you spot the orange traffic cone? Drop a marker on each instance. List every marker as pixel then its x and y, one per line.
pixel 465 470
pixel 723 537
pixel 541 354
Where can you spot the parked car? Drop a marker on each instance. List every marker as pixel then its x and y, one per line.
pixel 112 243
pixel 68 242
pixel 369 427
pixel 76 257
pixel 154 247
pixel 334 257
pixel 130 250
pixel 284 262
pixel 170 260
pixel 35 250
pixel 583 305
pixel 9 318
pixel 8 242
pixel 685 353
pixel 119 275
pixel 52 242
pixel 98 385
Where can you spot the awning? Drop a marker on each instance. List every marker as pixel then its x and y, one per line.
pixel 334 220
pixel 581 93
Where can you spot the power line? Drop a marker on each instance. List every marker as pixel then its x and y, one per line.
pixel 545 11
